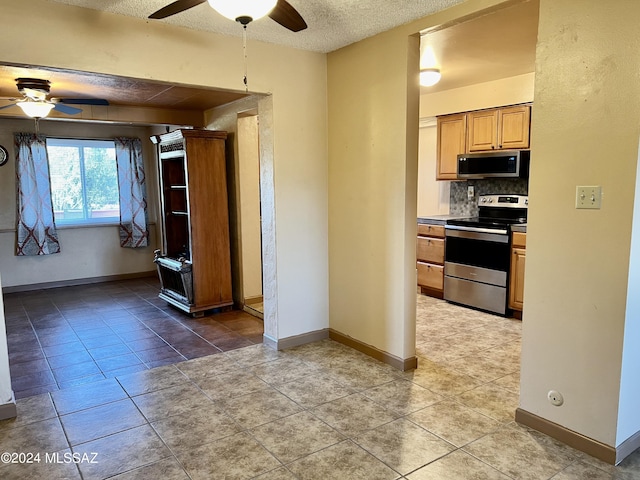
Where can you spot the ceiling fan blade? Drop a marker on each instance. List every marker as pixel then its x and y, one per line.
pixel 287 16
pixel 83 101
pixel 175 7
pixel 8 106
pixel 66 109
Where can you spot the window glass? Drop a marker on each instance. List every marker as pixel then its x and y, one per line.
pixel 84 181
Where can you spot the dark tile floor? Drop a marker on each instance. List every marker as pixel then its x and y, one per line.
pixel 62 337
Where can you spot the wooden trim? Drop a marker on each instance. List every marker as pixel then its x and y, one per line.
pixel 396 362
pixel 79 281
pixel 430 292
pixel 253 300
pixel 296 340
pixel 576 440
pixel 9 410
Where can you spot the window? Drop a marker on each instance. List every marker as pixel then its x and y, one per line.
pixel 84 181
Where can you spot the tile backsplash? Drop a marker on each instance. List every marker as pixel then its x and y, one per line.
pixel 461 205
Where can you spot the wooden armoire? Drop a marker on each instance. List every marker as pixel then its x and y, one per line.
pixel 195 262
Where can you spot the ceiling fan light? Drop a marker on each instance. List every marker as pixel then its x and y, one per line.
pixel 429 76
pixel 243 9
pixel 36 109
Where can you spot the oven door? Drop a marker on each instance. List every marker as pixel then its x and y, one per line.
pixel 486 248
pixel 476 267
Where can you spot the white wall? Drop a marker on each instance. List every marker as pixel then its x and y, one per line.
pixel 86 252
pixel 6 393
pixel 628 414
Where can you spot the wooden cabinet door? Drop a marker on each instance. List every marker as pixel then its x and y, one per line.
pixel 516 287
pixel 430 276
pixel 429 230
pixel 482 130
pixel 513 130
pixel 451 143
pixel 430 250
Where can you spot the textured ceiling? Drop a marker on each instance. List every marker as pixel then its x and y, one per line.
pixel 331 23
pixel 493 46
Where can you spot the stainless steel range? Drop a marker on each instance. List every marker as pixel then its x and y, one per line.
pixel 478 252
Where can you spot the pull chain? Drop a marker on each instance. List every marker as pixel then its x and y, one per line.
pixel 244 51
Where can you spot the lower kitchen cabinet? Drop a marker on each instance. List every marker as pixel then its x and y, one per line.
pixel 516 286
pixel 430 256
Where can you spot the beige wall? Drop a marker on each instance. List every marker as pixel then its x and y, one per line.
pixel 368 210
pixel 249 177
pixel 295 79
pixel 373 151
pixel 86 252
pixel 505 91
pixel 585 131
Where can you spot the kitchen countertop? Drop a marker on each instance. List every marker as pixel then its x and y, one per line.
pixel 437 219
pixel 442 220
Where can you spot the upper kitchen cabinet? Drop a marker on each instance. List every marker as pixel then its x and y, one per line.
pixel 498 129
pixel 452 136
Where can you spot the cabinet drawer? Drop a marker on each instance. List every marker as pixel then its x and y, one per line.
pixel 430 249
pixel 519 239
pixel 431 276
pixel 431 230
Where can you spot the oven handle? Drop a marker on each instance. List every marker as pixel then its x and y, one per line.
pixel 477 233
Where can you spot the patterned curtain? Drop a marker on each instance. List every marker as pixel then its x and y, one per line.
pixel 133 198
pixel 36 230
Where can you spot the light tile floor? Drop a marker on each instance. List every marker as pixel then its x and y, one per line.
pixel 319 411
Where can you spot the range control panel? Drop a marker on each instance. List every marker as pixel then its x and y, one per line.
pixel 505 201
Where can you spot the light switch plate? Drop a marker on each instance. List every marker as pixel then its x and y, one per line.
pixel 470 192
pixel 589 197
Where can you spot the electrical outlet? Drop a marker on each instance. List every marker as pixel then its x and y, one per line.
pixel 555 398
pixel 589 197
pixel 470 192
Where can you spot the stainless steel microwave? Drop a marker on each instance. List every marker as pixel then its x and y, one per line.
pixel 503 164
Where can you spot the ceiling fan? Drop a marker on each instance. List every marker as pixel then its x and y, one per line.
pixel 241 11
pixel 35 103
